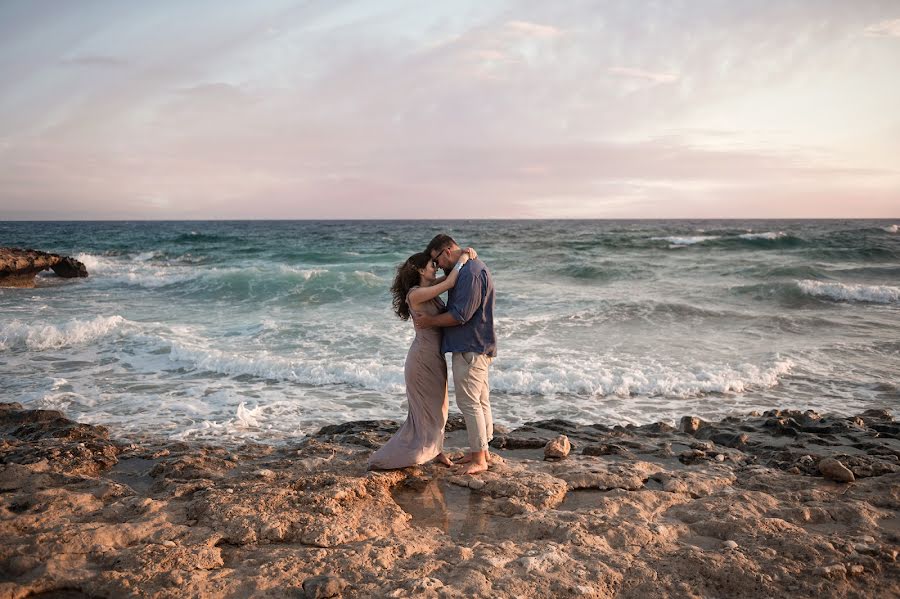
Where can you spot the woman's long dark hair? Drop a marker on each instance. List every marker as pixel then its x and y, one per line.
pixel 407 278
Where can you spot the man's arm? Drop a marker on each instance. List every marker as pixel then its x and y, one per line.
pixel 425 321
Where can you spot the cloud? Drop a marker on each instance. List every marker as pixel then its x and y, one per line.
pixel 94 61
pixel 889 28
pixel 533 29
pixel 645 75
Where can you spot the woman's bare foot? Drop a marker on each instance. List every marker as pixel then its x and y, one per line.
pixel 442 459
pixel 463 460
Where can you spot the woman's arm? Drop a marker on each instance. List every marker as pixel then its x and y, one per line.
pixel 423 294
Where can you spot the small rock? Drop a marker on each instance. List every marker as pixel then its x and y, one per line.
pixel 863 548
pixel 690 424
pixel 168 543
pixel 832 571
pixel 424 585
pixel 557 448
pixel 322 587
pixel 834 470
pixel 265 473
pixel 856 570
pixel 720 458
pixel 730 545
pixel 476 484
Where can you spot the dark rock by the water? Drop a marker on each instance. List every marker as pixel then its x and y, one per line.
pixel 18 267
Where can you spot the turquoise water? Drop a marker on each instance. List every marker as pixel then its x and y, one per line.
pixel 267 330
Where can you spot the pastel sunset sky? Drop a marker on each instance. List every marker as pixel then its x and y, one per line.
pixel 456 109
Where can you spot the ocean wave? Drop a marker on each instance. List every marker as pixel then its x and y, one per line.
pixel 540 376
pixel 40 336
pixel 878 294
pixel 749 240
pixel 372 374
pixel 258 280
pixel 890 228
pixel 769 235
pixel 677 240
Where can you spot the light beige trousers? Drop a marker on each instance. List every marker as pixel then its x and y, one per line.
pixel 473 397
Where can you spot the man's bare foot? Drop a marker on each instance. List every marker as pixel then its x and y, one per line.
pixel 473 468
pixel 442 459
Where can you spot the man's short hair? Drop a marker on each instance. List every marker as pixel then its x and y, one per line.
pixel 440 242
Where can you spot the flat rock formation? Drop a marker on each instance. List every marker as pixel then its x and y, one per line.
pixel 738 508
pixel 19 267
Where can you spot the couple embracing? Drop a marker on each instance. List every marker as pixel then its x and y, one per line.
pixel 463 327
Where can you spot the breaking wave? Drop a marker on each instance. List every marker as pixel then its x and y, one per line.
pixel 16 334
pixel 878 294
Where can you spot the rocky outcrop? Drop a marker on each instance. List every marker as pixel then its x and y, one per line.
pixel 631 512
pixel 19 267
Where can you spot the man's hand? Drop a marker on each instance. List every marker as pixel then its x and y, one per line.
pixel 423 321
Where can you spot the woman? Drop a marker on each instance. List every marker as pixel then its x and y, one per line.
pixel 421 438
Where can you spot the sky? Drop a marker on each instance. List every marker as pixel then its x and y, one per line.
pixel 403 109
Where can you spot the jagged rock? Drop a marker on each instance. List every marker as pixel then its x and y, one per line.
pixel 691 424
pixel 323 587
pixel 18 267
pixel 557 448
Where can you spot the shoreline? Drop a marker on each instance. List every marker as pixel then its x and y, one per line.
pixel 735 508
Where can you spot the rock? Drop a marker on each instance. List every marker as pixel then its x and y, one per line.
pixel 690 424
pixel 18 267
pixel 254 520
pixel 604 449
pixel 557 448
pixel 834 470
pixel 321 587
pixel 834 571
pixel 424 585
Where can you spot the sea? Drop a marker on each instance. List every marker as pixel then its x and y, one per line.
pixel 235 331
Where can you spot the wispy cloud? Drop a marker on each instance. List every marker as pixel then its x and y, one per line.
pixel 533 29
pixel 889 28
pixel 94 61
pixel 655 77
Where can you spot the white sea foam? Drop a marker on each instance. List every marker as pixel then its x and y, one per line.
pixel 40 336
pixel 770 235
pixel 367 277
pixel 306 273
pixel 877 294
pixel 370 374
pixel 891 228
pixel 687 240
pixel 588 377
pixel 96 264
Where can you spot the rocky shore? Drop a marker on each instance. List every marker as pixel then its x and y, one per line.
pixel 18 267
pixel 772 505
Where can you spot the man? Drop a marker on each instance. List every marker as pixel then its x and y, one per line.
pixel 469 336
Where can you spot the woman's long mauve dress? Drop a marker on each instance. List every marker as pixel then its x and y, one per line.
pixel 421 438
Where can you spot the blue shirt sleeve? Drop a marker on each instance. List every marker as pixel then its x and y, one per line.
pixel 466 296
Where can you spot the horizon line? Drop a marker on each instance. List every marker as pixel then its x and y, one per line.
pixel 203 220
